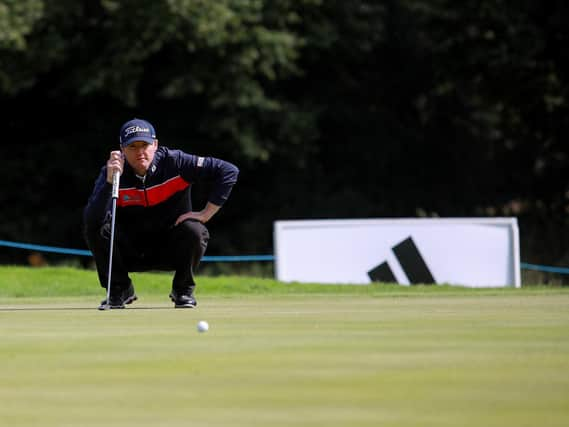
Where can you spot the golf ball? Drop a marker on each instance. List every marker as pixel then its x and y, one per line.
pixel 203 326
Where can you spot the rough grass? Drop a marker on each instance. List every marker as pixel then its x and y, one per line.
pixel 25 282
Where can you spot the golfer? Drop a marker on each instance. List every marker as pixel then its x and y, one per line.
pixel 155 225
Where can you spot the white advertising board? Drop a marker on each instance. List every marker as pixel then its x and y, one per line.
pixel 473 252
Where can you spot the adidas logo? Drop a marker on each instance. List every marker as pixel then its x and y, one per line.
pixel 411 262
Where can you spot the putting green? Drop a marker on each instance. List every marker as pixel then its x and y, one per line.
pixel 288 360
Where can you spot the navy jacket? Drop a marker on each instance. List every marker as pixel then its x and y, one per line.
pixel 154 204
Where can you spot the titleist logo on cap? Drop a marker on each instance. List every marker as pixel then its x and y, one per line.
pixel 134 129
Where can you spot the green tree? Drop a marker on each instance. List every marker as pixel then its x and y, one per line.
pixel 17 20
pixel 229 55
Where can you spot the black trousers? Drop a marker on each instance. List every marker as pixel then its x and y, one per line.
pixel 179 248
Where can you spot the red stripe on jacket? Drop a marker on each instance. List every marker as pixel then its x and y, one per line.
pixel 154 195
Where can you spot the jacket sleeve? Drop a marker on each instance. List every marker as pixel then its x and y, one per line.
pixel 222 174
pixel 98 205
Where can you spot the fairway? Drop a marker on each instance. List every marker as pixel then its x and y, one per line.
pixel 288 360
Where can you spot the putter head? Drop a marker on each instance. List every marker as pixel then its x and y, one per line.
pixel 106 306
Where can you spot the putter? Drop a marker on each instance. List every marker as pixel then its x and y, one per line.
pixel 114 196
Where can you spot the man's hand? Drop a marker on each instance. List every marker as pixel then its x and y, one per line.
pixel 114 164
pixel 202 216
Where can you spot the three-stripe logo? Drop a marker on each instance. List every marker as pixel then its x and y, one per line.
pixel 411 262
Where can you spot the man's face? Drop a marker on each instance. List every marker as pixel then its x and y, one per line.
pixel 139 155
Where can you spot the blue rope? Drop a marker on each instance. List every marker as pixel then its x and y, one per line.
pixel 546 268
pixel 82 252
pixel 41 248
pixel 230 258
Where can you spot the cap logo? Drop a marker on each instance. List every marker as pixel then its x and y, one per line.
pixel 134 129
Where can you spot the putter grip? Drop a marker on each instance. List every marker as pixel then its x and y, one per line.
pixel 115 193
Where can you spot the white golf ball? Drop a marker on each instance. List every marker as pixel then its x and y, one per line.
pixel 203 326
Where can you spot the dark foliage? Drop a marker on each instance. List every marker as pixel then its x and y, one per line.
pixel 332 109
